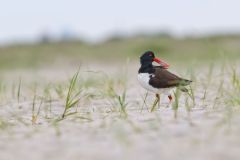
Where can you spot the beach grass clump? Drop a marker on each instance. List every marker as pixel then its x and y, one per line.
pixel 234 94
pixel 122 102
pixel 175 106
pixel 35 113
pixel 19 90
pixel 73 95
pixel 116 94
pixel 3 124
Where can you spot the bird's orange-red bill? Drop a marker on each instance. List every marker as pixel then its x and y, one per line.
pixel 162 63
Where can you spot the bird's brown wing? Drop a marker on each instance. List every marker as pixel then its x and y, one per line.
pixel 164 79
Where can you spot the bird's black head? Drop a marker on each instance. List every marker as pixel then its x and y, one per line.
pixel 149 57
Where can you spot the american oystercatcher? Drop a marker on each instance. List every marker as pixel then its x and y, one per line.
pixel 158 79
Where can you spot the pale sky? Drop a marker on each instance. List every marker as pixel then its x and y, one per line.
pixel 98 19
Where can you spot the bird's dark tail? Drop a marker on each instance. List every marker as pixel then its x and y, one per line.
pixel 184 82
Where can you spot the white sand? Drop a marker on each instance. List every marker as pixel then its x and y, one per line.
pixel 208 133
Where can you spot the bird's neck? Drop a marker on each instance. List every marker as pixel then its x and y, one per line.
pixel 146 68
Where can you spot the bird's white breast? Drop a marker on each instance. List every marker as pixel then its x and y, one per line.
pixel 144 78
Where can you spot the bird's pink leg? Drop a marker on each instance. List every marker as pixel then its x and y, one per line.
pixel 170 100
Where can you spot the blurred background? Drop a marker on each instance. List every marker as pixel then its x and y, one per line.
pixel 46 33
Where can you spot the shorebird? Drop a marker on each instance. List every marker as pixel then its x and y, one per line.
pixel 158 79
